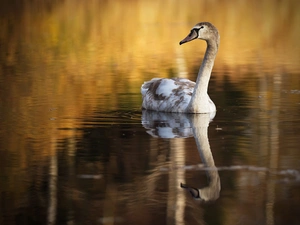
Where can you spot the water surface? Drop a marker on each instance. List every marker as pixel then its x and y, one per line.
pixel 76 148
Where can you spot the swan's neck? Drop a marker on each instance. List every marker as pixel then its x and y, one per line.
pixel 200 101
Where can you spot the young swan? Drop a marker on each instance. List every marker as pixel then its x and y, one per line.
pixel 182 95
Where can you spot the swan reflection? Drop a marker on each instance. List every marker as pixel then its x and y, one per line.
pixel 178 125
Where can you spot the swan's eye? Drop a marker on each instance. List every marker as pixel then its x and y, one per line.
pixel 201 27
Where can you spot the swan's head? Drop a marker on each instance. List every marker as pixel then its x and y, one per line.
pixel 204 31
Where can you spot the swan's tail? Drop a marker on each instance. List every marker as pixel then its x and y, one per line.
pixel 145 86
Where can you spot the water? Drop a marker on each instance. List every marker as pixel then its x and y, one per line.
pixel 76 148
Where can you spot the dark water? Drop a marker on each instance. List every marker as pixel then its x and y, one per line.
pixel 75 147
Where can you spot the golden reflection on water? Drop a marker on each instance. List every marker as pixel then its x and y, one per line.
pixel 65 60
pixel 104 48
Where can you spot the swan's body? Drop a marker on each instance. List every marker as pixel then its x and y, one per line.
pixel 183 95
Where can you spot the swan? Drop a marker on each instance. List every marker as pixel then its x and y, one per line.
pixel 182 95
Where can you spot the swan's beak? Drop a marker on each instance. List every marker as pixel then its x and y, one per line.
pixel 193 35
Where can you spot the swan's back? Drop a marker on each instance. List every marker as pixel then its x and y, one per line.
pixel 168 95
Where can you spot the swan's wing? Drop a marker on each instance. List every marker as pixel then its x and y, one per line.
pixel 168 95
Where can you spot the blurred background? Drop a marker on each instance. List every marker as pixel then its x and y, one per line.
pixel 72 146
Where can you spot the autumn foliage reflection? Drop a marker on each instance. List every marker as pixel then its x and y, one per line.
pixel 62 61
